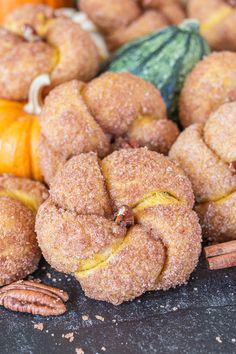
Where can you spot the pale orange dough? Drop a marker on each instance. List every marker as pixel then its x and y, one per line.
pixel 80 117
pixel 78 234
pixel 62 49
pixel 207 153
pixel 211 83
pixel 19 251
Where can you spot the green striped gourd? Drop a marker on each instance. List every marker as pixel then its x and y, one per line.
pixel 164 58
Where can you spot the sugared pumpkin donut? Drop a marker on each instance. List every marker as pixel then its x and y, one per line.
pixel 217 18
pixel 80 117
pixel 19 251
pixel 150 21
pixel 124 20
pixel 122 226
pixel 211 84
pixel 208 154
pixel 171 9
pixel 111 15
pixel 56 46
pixel 35 16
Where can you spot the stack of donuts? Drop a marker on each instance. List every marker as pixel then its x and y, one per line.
pixel 123 194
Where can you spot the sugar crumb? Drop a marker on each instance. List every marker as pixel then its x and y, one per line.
pixel 79 351
pixel 103 349
pixel 39 326
pixel 218 339
pixel 69 336
pixel 100 318
pixel 85 317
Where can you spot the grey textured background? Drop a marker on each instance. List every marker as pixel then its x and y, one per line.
pixel 197 318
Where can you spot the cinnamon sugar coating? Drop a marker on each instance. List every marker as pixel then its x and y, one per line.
pixel 61 49
pixel 110 15
pixel 8 40
pixel 216 75
pixel 150 21
pixel 19 251
pixel 125 20
pixel 33 15
pixel 207 154
pixel 78 234
pixel 21 65
pixel 171 9
pixel 220 132
pixel 80 117
pixel 218 22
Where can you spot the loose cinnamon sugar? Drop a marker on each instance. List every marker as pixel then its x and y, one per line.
pixel 100 318
pixel 39 326
pixel 79 351
pixel 69 336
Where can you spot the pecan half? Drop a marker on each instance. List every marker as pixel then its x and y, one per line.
pixel 232 166
pixel 32 297
pixel 125 216
pixel 30 34
pixel 125 143
pixel 231 2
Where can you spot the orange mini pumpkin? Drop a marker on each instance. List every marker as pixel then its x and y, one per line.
pixel 8 6
pixel 19 139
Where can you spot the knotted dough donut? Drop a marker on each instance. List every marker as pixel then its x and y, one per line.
pixel 173 10
pixel 124 20
pixel 42 43
pixel 208 156
pixel 19 251
pixel 217 18
pixel 80 117
pixel 211 84
pixel 153 243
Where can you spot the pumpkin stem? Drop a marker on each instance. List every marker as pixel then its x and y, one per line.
pixel 190 25
pixel 34 106
pixel 87 25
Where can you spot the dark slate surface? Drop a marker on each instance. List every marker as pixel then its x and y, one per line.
pixel 197 318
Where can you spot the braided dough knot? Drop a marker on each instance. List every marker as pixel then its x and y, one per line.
pixel 117 261
pixel 207 153
pixel 34 42
pixel 80 117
